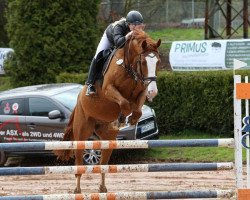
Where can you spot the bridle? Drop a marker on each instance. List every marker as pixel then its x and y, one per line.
pixel 145 80
pixel 134 70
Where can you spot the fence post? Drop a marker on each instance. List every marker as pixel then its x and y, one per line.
pixel 238 135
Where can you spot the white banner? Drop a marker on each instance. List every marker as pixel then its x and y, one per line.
pixel 208 54
pixel 3 55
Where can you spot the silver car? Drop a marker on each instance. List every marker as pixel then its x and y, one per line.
pixel 25 116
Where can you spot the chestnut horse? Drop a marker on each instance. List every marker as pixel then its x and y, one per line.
pixel 129 80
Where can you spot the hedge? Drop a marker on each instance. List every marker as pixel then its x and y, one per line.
pixel 190 101
pixel 195 100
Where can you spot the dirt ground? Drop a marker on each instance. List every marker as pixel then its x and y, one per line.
pixel 153 181
pixel 163 181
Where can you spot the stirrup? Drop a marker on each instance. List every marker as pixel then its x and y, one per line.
pixel 90 90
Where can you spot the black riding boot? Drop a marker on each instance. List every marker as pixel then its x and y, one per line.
pixel 91 78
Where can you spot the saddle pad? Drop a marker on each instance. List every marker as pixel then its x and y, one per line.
pixel 107 62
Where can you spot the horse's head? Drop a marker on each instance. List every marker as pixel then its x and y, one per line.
pixel 147 60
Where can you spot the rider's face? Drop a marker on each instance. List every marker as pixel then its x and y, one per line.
pixel 133 27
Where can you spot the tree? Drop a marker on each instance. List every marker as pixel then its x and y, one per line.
pixel 3 34
pixel 49 37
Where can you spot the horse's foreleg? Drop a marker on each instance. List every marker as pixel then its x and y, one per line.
pixel 136 107
pixel 134 118
pixel 112 94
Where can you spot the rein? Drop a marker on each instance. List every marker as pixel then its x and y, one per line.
pixel 134 71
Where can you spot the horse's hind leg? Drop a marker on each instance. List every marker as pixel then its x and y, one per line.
pixel 83 129
pixel 106 132
pixel 78 161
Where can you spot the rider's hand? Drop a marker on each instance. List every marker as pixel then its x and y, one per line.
pixel 128 36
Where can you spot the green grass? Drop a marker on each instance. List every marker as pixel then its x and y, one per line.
pixel 188 154
pixel 169 35
pixel 194 154
pixel 176 34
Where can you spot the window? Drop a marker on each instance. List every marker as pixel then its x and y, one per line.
pixel 68 98
pixel 41 107
pixel 12 107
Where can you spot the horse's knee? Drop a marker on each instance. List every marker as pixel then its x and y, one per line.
pixel 125 107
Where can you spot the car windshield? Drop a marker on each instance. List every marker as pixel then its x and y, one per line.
pixel 68 98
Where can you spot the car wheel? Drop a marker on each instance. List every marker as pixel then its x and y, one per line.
pixel 3 158
pixel 91 157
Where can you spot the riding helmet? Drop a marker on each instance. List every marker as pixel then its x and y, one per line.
pixel 134 17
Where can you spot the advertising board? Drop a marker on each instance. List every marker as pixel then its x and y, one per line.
pixel 204 55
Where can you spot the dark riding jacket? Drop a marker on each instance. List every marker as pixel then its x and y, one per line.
pixel 116 33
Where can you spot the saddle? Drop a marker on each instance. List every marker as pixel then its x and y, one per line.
pixel 103 60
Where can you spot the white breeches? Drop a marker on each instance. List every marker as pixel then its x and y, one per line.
pixel 103 44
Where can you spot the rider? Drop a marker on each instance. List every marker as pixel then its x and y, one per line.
pixel 114 36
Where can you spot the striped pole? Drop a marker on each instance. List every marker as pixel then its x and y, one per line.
pixel 116 144
pixel 129 195
pixel 90 169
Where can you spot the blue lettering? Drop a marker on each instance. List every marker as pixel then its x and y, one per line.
pixel 191 47
pixel 183 47
pixel 246 127
pixel 204 47
pixel 177 46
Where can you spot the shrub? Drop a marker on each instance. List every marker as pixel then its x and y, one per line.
pixel 72 78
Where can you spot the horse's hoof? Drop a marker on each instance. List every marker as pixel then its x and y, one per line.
pixel 125 108
pixel 132 120
pixel 103 189
pixel 77 191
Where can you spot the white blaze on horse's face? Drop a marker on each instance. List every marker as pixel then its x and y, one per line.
pixel 151 64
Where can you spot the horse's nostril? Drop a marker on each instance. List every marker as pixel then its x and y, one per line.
pixel 152 92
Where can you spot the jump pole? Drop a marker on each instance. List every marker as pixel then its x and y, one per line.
pixel 92 169
pixel 226 194
pixel 116 144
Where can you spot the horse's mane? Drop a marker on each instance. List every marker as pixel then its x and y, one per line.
pixel 140 36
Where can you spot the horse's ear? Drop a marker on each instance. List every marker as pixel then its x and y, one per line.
pixel 158 43
pixel 144 45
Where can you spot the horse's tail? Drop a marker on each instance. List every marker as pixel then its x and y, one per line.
pixel 68 136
